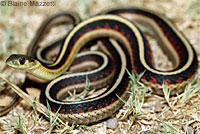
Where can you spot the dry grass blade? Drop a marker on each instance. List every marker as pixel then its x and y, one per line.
pixel 1 132
pixel 35 109
pixel 40 107
pixel 168 129
pixel 79 96
pixel 166 93
pixel 193 8
pixel 52 117
pixel 26 97
pixel 138 93
pixel 19 125
pixel 191 89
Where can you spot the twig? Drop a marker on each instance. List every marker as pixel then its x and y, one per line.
pixel 40 107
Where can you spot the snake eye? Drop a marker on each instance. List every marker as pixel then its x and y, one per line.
pixel 22 60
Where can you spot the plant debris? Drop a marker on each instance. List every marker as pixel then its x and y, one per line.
pixel 179 114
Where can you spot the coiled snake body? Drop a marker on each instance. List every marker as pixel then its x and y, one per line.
pixel 127 49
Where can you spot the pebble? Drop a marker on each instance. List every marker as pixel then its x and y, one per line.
pixel 188 129
pixel 112 123
pixel 146 132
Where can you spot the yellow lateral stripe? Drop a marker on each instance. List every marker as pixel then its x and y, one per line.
pixel 138 36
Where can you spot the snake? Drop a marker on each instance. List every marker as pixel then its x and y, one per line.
pixel 126 49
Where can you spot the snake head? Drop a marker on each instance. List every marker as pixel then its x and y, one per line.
pixel 21 62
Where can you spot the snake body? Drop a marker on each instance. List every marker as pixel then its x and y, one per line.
pixel 128 50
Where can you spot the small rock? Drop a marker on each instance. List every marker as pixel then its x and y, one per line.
pixel 146 132
pixel 112 123
pixel 188 129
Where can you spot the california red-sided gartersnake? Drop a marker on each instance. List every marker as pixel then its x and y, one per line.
pixel 127 49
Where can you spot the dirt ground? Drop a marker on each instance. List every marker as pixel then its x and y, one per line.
pixel 179 114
